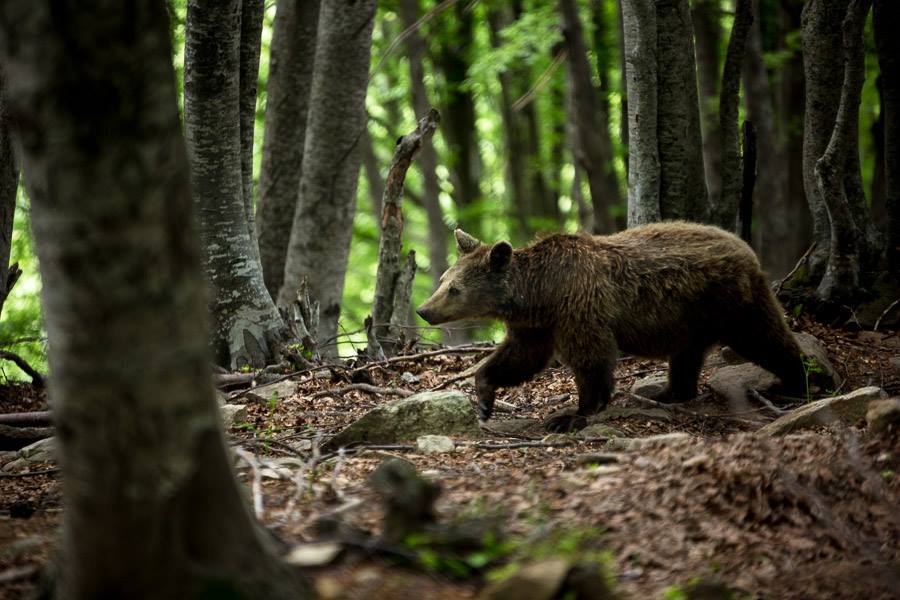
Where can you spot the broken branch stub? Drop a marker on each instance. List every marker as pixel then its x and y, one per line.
pixel 304 320
pixel 390 276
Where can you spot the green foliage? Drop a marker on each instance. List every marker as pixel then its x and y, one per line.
pixel 810 367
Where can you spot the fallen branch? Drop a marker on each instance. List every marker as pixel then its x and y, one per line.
pixel 13 438
pixel 766 403
pixel 36 418
pixel 30 473
pixel 231 379
pixel 36 378
pixel 466 349
pixel 363 387
pixel 885 313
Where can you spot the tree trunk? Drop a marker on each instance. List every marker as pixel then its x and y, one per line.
pixel 822 43
pixel 247 327
pixel 887 15
pixel 251 40
pixel 878 190
pixel 9 187
pixel 416 51
pixel 639 19
pixel 323 223
pixel 840 284
pixel 683 193
pixel 593 148
pixel 458 110
pixel 776 229
pixel 724 203
pixel 291 63
pixel 373 172
pixel 623 88
pixel 123 296
pixel 706 16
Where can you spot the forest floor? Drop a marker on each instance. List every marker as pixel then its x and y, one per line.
pixel 811 515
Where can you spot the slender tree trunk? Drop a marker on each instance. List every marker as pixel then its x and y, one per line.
pixel 683 193
pixel 639 19
pixel 775 227
pixel 323 223
pixel 247 328
pixel 840 284
pixel 593 146
pixel 251 40
pixel 822 43
pixel 410 11
pixel 887 15
pixel 706 18
pixel 291 64
pixel 878 190
pixel 9 187
pixel 728 192
pixel 373 172
pixel 458 110
pixel 623 87
pixel 123 296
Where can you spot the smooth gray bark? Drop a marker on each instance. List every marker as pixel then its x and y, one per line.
pixel 291 63
pixel 774 235
pixel 623 87
pixel 247 328
pixel 840 282
pixel 593 148
pixel 152 509
pixel 706 17
pixel 9 187
pixel 726 196
pixel 639 22
pixel 416 51
pixel 251 40
pixel 683 193
pixel 319 245
pixel 822 53
pixel 887 41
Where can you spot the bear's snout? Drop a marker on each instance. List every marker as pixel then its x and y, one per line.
pixel 424 314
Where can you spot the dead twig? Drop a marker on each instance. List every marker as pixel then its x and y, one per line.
pixel 796 268
pixel 766 403
pixel 885 313
pixel 465 349
pixel 363 387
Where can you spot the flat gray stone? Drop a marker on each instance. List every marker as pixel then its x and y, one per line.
pixel 428 413
pixel 650 387
pixel 734 381
pixel 847 409
pixel 280 391
pixel 536 581
pixel 41 451
pixel 883 414
pixel 511 426
pixel 435 444
pixel 233 414
pixel 599 431
pixel 626 444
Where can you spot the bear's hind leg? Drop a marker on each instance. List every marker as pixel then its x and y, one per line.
pixel 684 371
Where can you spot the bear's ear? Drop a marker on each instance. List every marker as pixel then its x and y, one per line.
pixel 501 252
pixel 465 243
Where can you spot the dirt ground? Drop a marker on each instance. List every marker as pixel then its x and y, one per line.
pixel 812 515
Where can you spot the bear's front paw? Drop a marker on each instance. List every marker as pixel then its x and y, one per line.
pixel 565 423
pixel 484 412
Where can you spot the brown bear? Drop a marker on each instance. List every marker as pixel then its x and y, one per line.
pixel 663 290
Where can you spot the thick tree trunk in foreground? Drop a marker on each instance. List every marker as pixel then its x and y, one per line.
pixel 593 148
pixel 706 17
pixel 775 234
pixel 724 203
pixel 9 187
pixel 123 296
pixel 416 51
pixel 247 328
pixel 822 44
pixel 391 303
pixel 323 223
pixel 887 15
pixel 639 24
pixel 290 78
pixel 840 283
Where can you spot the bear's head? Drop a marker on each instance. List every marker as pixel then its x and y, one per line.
pixel 473 288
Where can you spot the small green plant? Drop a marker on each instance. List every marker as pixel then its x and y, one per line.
pixel 454 564
pixel 810 366
pixel 888 474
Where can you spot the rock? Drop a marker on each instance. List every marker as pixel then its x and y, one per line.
pixel 895 362
pixel 511 427
pixel 313 555
pixel 233 414
pixel 814 349
pixel 409 378
pixel 280 391
pixel 847 409
pixel 728 356
pixel 561 439
pixel 650 387
pixel 599 431
pixel 42 451
pixel 647 414
pixel 536 581
pixel 883 414
pixel 435 444
pixel 436 413
pixel 626 444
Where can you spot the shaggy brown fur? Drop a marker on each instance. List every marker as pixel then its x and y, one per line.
pixel 663 290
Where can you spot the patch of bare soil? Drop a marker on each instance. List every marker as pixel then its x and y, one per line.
pixel 804 516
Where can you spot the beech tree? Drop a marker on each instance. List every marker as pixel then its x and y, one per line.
pixel 291 61
pixel 220 79
pixel 705 18
pixel 9 187
pixel 319 244
pixel 152 509
pixel 887 15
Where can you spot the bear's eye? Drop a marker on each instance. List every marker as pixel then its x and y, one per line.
pixel 453 291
